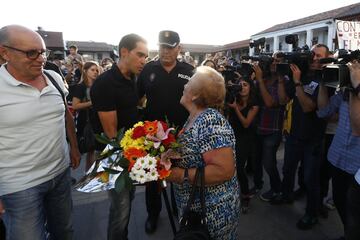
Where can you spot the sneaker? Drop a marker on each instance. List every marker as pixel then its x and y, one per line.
pixel 267 196
pixel 306 222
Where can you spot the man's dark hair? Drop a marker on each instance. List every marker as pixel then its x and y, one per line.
pixel 73 47
pixel 319 45
pixel 129 42
pixel 4 36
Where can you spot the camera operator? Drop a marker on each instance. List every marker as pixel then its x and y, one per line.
pixel 344 150
pixel 269 129
pixel 352 231
pixel 243 111
pixel 303 141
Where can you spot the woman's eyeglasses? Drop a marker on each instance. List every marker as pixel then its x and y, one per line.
pixel 32 54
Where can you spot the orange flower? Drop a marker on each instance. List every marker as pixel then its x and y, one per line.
pixel 132 154
pixel 131 164
pixel 150 127
pixel 163 173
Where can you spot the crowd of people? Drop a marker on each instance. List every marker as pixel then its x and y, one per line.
pixel 230 120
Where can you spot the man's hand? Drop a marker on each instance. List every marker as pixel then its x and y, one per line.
pixel 296 73
pixel 75 157
pixel 2 209
pixel 354 73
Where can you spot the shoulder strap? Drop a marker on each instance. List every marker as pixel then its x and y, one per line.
pixel 199 183
pixel 56 85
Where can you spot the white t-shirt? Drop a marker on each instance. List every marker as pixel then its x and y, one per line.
pixel 33 147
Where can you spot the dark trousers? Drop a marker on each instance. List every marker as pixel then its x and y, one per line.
pixel 2 230
pixel 352 231
pixel 325 167
pixel 245 150
pixel 341 181
pixel 153 200
pixel 266 150
pixel 309 152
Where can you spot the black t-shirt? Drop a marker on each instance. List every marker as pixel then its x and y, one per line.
pixel 82 92
pixel 235 123
pixel 305 125
pixel 111 91
pixel 163 91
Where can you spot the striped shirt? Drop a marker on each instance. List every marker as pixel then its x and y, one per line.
pixel 344 151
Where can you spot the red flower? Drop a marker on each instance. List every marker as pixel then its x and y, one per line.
pixel 138 132
pixel 170 139
pixel 163 173
pixel 164 125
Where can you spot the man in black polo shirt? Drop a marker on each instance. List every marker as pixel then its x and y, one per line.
pixel 114 97
pixel 162 82
pixel 304 138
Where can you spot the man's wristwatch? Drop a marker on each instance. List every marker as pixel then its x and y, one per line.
pixel 298 84
pixel 186 175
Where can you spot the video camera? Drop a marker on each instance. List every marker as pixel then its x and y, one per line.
pixel 302 57
pixel 337 73
pixel 231 76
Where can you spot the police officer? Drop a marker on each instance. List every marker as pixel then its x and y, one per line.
pixel 162 83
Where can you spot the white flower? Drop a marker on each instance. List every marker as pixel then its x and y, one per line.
pixel 140 176
pixel 152 163
pixel 153 175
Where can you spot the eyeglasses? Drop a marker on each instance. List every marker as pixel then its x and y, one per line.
pixel 32 54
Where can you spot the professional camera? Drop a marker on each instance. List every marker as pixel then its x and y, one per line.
pixel 337 73
pixel 302 57
pixel 231 74
pixel 264 61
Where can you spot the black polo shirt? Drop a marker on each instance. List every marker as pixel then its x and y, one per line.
pixel 304 125
pixel 163 91
pixel 111 91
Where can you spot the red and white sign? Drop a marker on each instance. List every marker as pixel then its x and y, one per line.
pixel 348 34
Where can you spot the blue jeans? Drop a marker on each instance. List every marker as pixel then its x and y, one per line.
pixel 309 152
pixel 119 216
pixel 267 148
pixel 28 210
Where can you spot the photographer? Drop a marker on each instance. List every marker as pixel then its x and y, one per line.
pixel 352 231
pixel 303 141
pixel 241 117
pixel 270 124
pixel 344 150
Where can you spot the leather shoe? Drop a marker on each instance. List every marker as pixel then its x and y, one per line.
pixel 306 222
pixel 150 225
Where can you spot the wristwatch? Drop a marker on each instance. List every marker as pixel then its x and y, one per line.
pixel 186 175
pixel 298 84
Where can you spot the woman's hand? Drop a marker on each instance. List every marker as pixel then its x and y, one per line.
pixel 2 209
pixel 233 105
pixel 176 175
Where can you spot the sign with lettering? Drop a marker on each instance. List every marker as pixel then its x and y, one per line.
pixel 348 34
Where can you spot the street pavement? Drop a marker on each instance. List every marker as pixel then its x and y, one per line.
pixel 262 222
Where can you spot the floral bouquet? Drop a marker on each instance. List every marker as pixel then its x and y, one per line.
pixel 141 154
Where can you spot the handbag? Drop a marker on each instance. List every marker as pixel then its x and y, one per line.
pixel 193 224
pixel 86 142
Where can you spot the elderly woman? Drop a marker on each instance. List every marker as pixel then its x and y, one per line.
pixel 208 140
